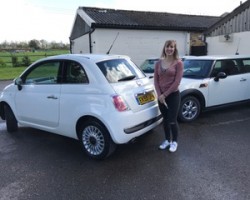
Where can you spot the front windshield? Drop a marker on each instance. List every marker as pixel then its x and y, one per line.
pixel 197 68
pixel 148 65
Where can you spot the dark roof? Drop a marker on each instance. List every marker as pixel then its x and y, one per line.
pixel 229 16
pixel 112 18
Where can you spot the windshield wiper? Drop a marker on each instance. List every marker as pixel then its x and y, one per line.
pixel 127 78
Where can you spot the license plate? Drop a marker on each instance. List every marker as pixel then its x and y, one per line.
pixel 145 98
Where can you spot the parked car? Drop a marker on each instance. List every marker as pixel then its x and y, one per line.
pixel 148 65
pixel 210 82
pixel 100 100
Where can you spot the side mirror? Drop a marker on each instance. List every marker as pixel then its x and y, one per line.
pixel 220 75
pixel 19 83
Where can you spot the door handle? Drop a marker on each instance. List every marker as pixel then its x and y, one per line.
pixel 52 97
pixel 243 79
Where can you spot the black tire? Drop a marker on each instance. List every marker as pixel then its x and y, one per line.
pixel 95 140
pixel 11 122
pixel 190 109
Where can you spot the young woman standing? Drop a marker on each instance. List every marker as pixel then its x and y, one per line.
pixel 167 76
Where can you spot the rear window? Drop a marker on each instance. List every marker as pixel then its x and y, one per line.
pixel 118 70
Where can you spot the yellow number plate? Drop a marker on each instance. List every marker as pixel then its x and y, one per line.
pixel 145 98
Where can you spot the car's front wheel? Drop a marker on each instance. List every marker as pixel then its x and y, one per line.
pixel 190 108
pixel 96 140
pixel 11 122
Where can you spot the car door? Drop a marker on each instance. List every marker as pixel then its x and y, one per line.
pixel 37 103
pixel 245 76
pixel 227 90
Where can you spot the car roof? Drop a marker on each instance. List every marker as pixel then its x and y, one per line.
pixel 217 57
pixel 158 58
pixel 92 57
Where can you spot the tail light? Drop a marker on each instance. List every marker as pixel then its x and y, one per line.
pixel 119 103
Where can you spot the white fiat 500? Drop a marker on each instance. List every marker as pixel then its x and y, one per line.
pixel 101 100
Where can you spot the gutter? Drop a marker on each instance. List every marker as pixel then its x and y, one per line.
pixel 90 40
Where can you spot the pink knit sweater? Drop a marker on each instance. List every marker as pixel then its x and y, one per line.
pixel 168 80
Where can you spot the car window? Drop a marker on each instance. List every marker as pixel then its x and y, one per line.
pixel 148 65
pixel 216 69
pixel 228 66
pixel 44 73
pixel 246 66
pixel 117 70
pixel 197 68
pixel 74 73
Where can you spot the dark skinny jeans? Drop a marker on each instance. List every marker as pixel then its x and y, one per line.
pixel 169 113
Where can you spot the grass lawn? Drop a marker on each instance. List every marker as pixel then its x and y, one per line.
pixel 8 72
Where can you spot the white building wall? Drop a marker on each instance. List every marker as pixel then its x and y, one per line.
pixel 218 45
pixel 138 44
pixel 81 45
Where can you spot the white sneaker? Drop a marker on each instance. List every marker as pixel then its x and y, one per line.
pixel 164 144
pixel 173 147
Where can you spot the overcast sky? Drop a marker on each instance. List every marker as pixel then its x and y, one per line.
pixel 52 20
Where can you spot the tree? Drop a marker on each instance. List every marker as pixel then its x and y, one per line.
pixel 34 44
pixel 44 44
pixel 26 61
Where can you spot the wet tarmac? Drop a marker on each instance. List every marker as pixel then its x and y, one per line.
pixel 211 163
pixel 4 83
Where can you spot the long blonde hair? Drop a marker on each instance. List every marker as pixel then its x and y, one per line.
pixel 167 43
